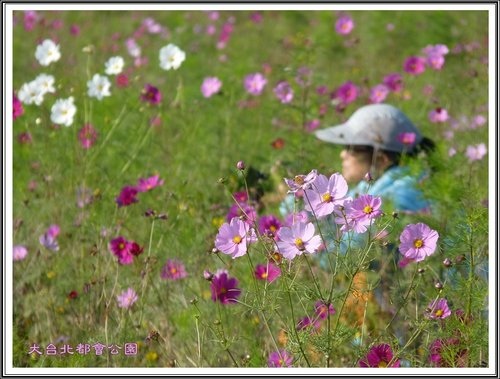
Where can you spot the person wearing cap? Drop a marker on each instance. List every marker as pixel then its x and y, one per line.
pixel 375 138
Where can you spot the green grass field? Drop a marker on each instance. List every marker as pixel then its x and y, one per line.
pixel 193 143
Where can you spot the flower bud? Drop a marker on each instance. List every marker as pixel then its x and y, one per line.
pixel 368 177
pixel 447 262
pixel 208 275
pixel 240 165
pixel 438 285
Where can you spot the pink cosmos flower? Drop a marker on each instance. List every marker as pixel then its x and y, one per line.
pixel 379 93
pixel 240 197
pixel 147 184
pixel 269 225
pixel 345 93
pixel 344 25
pixel 435 61
pixel 478 121
pixel 394 82
pixel 225 34
pixel 210 86
pixel 121 80
pixel 30 20
pixel 269 272
pixel 121 248
pixel 301 182
pixel 19 252
pixel 414 65
pixel 255 83
pixel 284 92
pixel 74 30
pixel 312 125
pixel 173 270
pixel 379 356
pixel 17 107
pixel 280 358
pixel 293 218
pixel 438 309
pixel 326 194
pixel 224 288
pixel 127 298
pixel 151 94
pixel 24 138
pixel 476 153
pixel 438 49
pixel 438 115
pixel 87 136
pixel 418 241
pixel 127 196
pixel 233 238
pixel 359 213
pixel 244 211
pixel 297 239
pixel 322 310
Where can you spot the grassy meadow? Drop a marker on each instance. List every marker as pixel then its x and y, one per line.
pixel 66 288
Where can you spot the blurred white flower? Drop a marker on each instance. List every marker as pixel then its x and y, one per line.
pixel 171 57
pixel 47 52
pixel 46 83
pixel 99 86
pixel 30 93
pixel 63 111
pixel 114 65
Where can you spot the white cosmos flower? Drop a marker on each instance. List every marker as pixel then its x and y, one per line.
pixel 171 57
pixel 63 111
pixel 114 65
pixel 31 93
pixel 46 83
pixel 47 52
pixel 99 86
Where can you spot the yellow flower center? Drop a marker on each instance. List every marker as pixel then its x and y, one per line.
pixel 439 313
pixel 299 243
pixel 326 198
pixel 272 228
pixel 367 209
pixel 237 239
pixel 121 246
pixel 418 243
pixel 264 275
pixel 173 270
pixel 382 364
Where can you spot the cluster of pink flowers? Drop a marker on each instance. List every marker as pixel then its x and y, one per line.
pixel 125 250
pixel 128 194
pixel 434 58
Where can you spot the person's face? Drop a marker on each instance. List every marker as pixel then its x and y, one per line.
pixel 356 162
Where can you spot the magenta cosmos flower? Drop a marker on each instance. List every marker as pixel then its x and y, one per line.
pixel 284 92
pixel 244 211
pixel 19 252
pixel 269 225
pixel 414 65
pixel 280 358
pixel 326 194
pixel 323 310
pixel 255 83
pixel 438 115
pixel 297 239
pixel 224 288
pixel 301 182
pixel 147 184
pixel 359 213
pixel 476 153
pixel 269 272
pixel 17 107
pixel 344 25
pixel 151 94
pixel 124 250
pixel 306 323
pixel 379 93
pixel 127 298
pixel 127 196
pixel 394 82
pixel 438 309
pixel 173 270
pixel 346 93
pixel 210 86
pixel 418 241
pixel 379 356
pixel 233 238
pixel 448 353
pixel 87 136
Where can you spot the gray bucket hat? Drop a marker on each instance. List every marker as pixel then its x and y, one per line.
pixel 381 126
